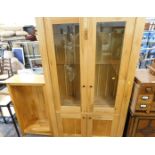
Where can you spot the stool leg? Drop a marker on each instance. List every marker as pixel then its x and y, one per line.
pixel 14 123
pixel 4 119
pixel 3 116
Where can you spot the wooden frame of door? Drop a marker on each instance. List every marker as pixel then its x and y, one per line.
pixel 123 71
pixel 60 110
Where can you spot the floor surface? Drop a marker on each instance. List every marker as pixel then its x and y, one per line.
pixel 8 130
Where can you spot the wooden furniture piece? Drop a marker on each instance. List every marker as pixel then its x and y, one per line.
pixel 141 125
pixel 89 66
pixel 28 97
pixel 143 99
pixel 142 109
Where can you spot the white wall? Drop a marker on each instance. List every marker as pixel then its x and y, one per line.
pixel 17 21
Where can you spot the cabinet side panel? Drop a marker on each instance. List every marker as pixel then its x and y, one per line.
pixel 139 28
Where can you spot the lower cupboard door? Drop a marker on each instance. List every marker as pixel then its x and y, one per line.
pixel 71 125
pixel 97 126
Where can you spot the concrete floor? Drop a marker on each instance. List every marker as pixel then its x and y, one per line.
pixel 8 130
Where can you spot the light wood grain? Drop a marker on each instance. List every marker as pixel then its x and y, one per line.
pixel 139 28
pixel 31 79
pixel 29 105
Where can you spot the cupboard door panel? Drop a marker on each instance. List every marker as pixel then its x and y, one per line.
pixel 71 124
pixel 101 127
pixel 111 45
pixel 97 125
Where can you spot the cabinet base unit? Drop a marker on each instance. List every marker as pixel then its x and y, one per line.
pixel 141 126
pixel 141 119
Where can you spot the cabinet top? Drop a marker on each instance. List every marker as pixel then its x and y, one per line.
pixel 144 76
pixel 26 79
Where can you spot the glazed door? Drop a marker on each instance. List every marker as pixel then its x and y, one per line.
pixel 111 43
pixel 67 57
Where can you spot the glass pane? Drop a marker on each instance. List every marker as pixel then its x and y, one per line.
pixel 66 41
pixel 109 41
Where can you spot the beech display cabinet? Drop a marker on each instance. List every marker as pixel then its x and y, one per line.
pixel 89 66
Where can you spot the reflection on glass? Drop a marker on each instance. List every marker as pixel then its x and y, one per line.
pixel 66 41
pixel 109 41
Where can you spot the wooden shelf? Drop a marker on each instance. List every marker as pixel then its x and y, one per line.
pixel 104 102
pixel 68 63
pixel 103 62
pixel 70 102
pixel 38 127
pixel 109 61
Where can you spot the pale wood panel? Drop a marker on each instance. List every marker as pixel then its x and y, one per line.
pixel 98 125
pixel 72 124
pixel 101 127
pixel 83 62
pixel 126 50
pixel 112 19
pixel 64 20
pixel 31 79
pixel 60 126
pixel 52 62
pixel 48 93
pixel 40 101
pixel 29 105
pixel 91 63
pixel 70 109
pixel 39 127
pixel 127 44
pixel 104 113
pixel 139 28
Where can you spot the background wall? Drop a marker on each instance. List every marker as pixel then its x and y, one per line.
pixel 17 21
